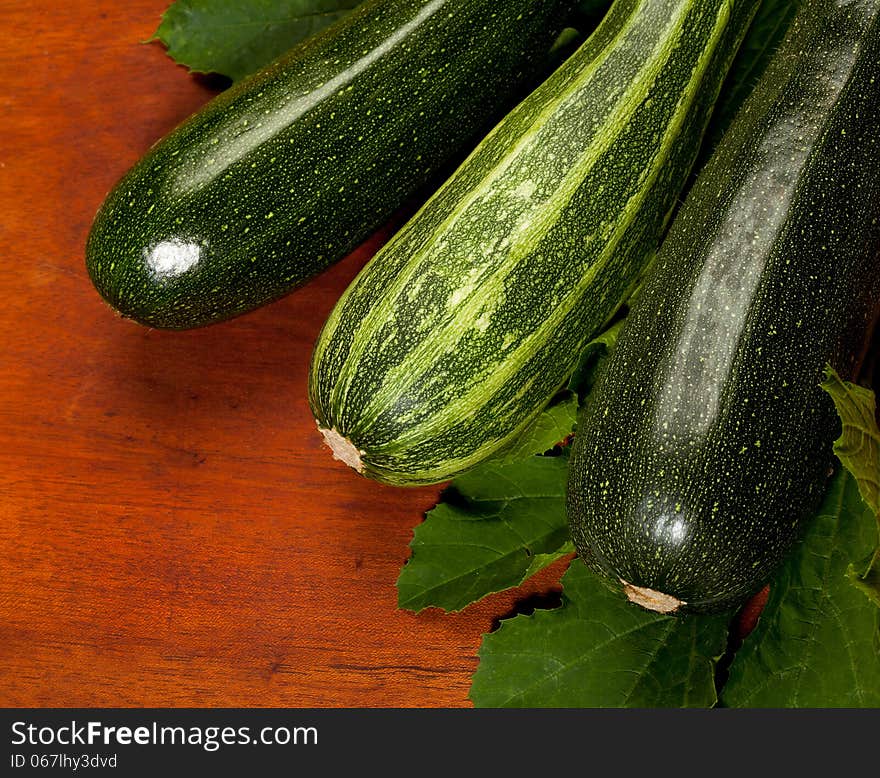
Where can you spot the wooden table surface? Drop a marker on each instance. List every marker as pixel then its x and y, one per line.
pixel 172 531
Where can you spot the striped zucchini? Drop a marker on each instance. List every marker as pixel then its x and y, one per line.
pixel 461 329
pixel 707 441
pixel 290 169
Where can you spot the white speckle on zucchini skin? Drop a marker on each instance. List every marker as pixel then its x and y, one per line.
pixel 710 408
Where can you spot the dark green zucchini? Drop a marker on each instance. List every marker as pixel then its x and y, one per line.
pixel 460 330
pixel 290 169
pixel 707 441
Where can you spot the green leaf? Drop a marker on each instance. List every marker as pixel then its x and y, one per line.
pixel 553 426
pixel 495 525
pixel 858 446
pixel 518 502
pixel 558 420
pixel 237 37
pixel 766 32
pixel 540 561
pixel 868 583
pixel 816 644
pixel 598 650
pixel 594 354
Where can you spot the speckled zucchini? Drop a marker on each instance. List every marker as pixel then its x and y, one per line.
pixel 462 328
pixel 707 440
pixel 290 169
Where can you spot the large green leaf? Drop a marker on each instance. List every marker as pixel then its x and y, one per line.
pixel 237 37
pixel 598 650
pixel 495 526
pixel 559 418
pixel 817 642
pixel 858 446
pixel 552 426
pixel 592 358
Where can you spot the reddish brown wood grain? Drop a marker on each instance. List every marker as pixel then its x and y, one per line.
pixel 172 532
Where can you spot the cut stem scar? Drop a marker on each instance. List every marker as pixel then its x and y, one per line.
pixel 343 449
pixel 651 599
